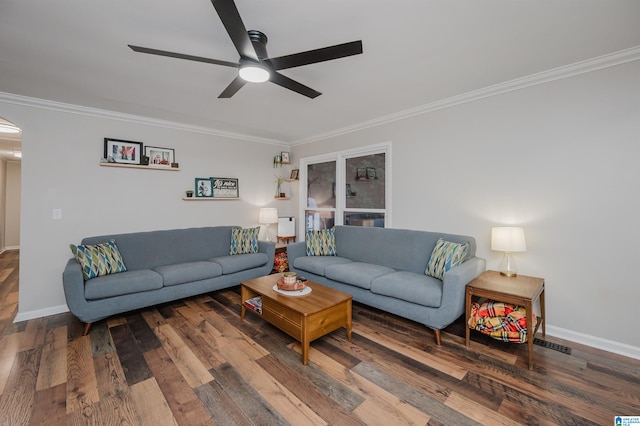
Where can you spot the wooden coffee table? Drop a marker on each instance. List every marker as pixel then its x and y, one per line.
pixel 306 317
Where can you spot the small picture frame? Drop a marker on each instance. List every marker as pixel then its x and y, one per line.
pixel 371 173
pixel 160 157
pixel 121 151
pixel 361 173
pixel 285 157
pixel 225 187
pixel 204 188
pixel 294 174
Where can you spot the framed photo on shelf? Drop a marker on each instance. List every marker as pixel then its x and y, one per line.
pixel 361 173
pixel 121 151
pixel 285 157
pixel 160 157
pixel 294 174
pixel 204 188
pixel 225 187
pixel 371 173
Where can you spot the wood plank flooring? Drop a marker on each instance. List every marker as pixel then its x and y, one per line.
pixel 194 362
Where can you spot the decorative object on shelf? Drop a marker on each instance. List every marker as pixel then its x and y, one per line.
pixel 160 157
pixel 509 239
pixel 284 155
pixel 268 216
pixel 144 161
pixel 121 151
pixel 204 188
pixel 294 174
pixel 279 180
pixel 277 161
pixel 189 193
pixel 225 187
pixel 371 173
pixel 175 165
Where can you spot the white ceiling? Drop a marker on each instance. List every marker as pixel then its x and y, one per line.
pixel 416 53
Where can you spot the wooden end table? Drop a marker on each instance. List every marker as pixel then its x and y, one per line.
pixel 520 290
pixel 305 318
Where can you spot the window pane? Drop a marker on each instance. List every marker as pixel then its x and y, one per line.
pixel 364 219
pixel 321 179
pixel 365 177
pixel 319 220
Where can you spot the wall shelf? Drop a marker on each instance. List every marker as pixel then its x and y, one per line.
pixel 282 198
pixel 209 198
pixel 140 166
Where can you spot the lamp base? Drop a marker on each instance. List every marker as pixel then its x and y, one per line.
pixel 509 273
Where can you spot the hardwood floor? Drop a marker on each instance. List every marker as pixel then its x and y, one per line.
pixel 195 362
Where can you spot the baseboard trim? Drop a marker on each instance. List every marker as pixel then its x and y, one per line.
pixel 595 342
pixel 39 313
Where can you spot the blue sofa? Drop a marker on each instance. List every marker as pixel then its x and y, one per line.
pixel 162 266
pixel 385 268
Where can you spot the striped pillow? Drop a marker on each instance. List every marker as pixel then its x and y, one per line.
pixel 445 256
pixel 99 259
pixel 244 241
pixel 321 243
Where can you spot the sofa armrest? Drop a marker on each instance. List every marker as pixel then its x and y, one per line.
pixel 73 284
pixel 296 250
pixel 455 282
pixel 269 248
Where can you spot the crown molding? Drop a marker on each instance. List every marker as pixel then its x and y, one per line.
pixel 131 118
pixel 582 67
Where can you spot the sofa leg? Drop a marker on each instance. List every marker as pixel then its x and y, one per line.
pixel 436 333
pixel 87 326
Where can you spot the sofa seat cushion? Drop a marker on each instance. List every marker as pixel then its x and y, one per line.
pixel 411 287
pixel 318 264
pixel 359 274
pixel 123 283
pixel 187 272
pixel 240 262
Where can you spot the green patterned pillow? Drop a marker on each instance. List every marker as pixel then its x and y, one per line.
pixel 98 260
pixel 244 240
pixel 445 256
pixel 321 243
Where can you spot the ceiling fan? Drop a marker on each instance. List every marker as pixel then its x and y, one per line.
pixel 254 64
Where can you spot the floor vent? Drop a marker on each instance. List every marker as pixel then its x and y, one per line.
pixel 554 346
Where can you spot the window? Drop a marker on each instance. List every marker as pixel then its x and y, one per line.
pixel 346 188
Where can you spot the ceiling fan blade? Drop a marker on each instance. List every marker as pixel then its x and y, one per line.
pixel 290 84
pixel 232 88
pixel 230 17
pixel 182 56
pixel 317 55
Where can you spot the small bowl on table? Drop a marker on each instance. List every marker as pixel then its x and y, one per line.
pixel 289 282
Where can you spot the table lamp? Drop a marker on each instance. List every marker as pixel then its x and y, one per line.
pixel 268 216
pixel 509 239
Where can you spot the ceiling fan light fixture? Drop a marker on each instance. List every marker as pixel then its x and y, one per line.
pixel 254 73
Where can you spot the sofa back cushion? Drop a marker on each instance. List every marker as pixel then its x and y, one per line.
pixel 146 250
pixel 401 249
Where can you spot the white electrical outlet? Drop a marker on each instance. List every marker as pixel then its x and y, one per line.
pixel 56 214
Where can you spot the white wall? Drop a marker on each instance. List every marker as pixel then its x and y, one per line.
pixel 61 153
pixel 560 159
pixel 12 209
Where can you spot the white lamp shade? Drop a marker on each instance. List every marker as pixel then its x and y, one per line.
pixel 508 239
pixel 268 215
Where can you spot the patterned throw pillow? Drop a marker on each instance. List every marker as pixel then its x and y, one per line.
pixel 98 260
pixel 445 256
pixel 244 240
pixel 321 243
